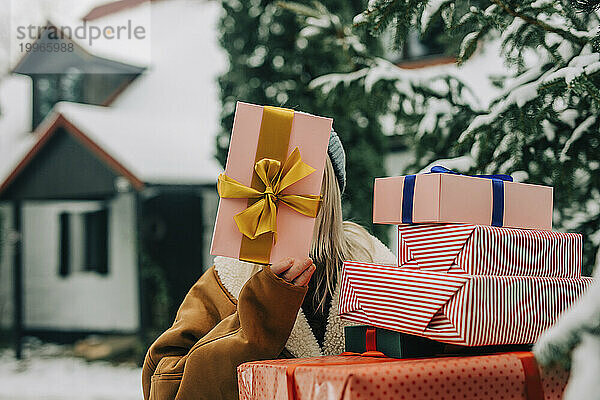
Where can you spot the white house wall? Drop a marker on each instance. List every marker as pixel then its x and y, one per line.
pixel 16 115
pixel 82 300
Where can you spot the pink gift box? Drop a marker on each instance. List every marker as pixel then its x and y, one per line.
pixel 471 310
pixel 488 250
pixel 442 197
pixel 310 134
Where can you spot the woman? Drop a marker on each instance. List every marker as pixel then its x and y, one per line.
pixel 239 312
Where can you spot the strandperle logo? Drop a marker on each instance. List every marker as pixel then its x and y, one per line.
pixel 83 32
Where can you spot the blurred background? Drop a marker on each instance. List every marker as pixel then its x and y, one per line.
pixel 110 148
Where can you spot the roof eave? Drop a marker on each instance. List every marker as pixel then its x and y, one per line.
pixel 47 129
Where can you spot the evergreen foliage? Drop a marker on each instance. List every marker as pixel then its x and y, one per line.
pixel 272 62
pixel 543 125
pixel 2 233
pixel 587 5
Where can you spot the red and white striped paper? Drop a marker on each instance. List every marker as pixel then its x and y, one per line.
pixel 456 308
pixel 488 250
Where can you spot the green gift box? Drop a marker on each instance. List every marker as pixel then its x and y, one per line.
pixel 391 343
pixel 363 338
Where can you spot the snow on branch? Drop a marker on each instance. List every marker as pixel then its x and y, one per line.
pixel 459 164
pixel 431 10
pixel 518 96
pixel 577 133
pixel 547 25
pixel 580 65
pixel 528 85
pixel 327 83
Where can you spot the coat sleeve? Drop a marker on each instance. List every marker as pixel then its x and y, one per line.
pixel 198 356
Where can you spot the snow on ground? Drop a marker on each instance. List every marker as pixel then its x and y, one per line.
pixel 47 372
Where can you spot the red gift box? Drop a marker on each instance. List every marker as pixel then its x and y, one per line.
pixel 507 376
pixel 471 310
pixel 487 250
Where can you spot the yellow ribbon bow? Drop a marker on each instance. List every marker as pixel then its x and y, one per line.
pixel 261 217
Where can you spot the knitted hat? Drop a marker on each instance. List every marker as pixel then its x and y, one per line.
pixel 336 154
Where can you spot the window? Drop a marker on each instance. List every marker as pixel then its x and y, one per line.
pixel 74 86
pixel 64 267
pixel 83 242
pixel 96 241
pixel 49 89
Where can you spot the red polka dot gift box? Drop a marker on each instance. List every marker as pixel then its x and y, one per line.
pixel 513 376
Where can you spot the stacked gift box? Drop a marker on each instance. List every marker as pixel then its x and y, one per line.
pixel 468 272
pixel 478 268
pixel 478 265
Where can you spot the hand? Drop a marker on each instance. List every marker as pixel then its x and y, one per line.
pixel 296 272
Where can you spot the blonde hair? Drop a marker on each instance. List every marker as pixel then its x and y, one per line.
pixel 335 240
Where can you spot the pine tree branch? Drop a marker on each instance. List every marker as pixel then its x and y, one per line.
pixel 594 97
pixel 562 81
pixel 588 6
pixel 383 17
pixel 533 21
pixel 377 8
pixel 590 92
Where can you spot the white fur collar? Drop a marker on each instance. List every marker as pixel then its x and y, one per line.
pixel 302 342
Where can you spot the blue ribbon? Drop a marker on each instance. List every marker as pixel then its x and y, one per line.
pixel 408 198
pixel 444 170
pixel 408 194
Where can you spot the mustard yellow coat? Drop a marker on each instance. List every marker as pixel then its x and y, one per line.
pixel 233 315
pixel 213 333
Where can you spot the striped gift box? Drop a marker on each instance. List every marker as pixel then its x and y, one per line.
pixel 488 250
pixel 472 310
